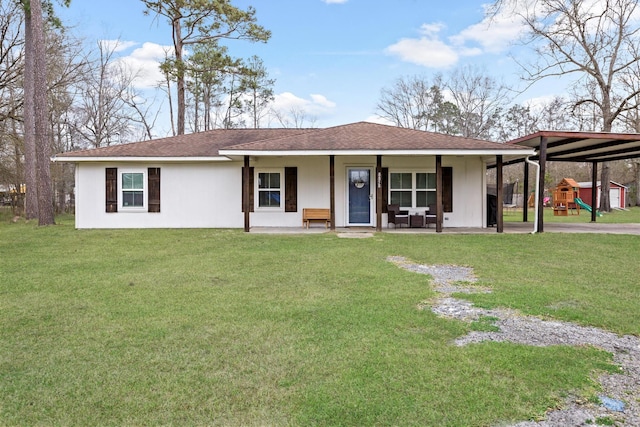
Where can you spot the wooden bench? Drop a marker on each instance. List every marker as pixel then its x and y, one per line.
pixel 316 214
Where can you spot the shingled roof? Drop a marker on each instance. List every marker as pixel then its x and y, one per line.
pixel 201 144
pixel 356 137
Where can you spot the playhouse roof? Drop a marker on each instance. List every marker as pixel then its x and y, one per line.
pixel 570 182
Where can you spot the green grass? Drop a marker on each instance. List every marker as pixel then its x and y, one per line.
pixel 631 215
pixel 220 327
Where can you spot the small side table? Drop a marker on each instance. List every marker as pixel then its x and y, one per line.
pixel 416 221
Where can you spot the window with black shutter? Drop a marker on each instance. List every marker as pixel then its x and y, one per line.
pixel 153 183
pixel 291 189
pixel 251 183
pixel 111 190
pixel 447 189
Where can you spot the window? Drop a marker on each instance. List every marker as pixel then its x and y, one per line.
pixel 412 189
pixel 269 190
pixel 132 190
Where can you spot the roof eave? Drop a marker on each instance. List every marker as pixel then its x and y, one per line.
pixel 451 152
pixel 139 159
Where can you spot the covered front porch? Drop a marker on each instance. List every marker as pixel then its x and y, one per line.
pixel 356 190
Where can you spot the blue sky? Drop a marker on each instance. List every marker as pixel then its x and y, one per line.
pixel 330 57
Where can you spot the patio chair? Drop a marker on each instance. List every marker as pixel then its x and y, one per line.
pixel 397 217
pixel 430 216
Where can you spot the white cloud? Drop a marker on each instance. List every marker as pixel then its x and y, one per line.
pixel 322 101
pixel 493 35
pixel 430 53
pixel 116 45
pixel 145 61
pixel 428 50
pixel 317 105
pixel 335 1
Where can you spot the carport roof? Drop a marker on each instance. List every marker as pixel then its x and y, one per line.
pixel 569 146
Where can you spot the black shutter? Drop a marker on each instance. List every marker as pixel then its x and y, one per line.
pixel 385 190
pixel 111 190
pixel 251 182
pixel 153 184
pixel 447 189
pixel 291 189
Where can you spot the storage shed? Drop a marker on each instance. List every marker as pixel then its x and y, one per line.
pixel 617 194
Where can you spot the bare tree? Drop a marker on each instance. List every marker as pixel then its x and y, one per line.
pixel 107 104
pixel 412 102
pixel 295 117
pixel 11 58
pixel 196 21
pixel 479 98
pixel 595 41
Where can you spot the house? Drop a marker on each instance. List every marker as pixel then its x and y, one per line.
pixel 617 194
pixel 235 178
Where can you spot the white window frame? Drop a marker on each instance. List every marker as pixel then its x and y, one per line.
pixel 121 190
pixel 257 190
pixel 414 190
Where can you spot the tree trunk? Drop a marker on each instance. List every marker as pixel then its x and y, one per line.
pixel 30 177
pixel 41 115
pixel 180 86
pixel 605 201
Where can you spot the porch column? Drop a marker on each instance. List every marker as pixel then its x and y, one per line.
pixel 525 194
pixel 332 190
pixel 594 190
pixel 439 192
pixel 379 193
pixel 543 171
pixel 246 207
pixel 499 195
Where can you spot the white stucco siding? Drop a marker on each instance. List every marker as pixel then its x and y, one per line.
pixel 469 182
pixel 313 189
pixel 191 196
pixel 209 194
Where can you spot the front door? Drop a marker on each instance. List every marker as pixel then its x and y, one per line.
pixel 360 197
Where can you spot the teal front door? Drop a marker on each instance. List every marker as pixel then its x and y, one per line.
pixel 360 197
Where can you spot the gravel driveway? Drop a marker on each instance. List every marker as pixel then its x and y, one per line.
pixel 620 392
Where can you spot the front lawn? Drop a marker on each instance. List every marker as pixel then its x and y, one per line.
pixel 220 327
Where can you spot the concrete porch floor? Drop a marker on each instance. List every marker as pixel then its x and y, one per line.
pixel 509 227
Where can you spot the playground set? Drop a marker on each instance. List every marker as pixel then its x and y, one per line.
pixel 566 198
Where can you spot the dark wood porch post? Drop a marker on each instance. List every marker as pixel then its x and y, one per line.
pixel 525 194
pixel 499 196
pixel 246 194
pixel 543 171
pixel 379 193
pixel 332 190
pixel 594 190
pixel 439 191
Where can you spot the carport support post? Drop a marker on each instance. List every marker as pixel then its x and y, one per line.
pixel 542 172
pixel 439 213
pixel 594 190
pixel 525 194
pixel 499 195
pixel 332 191
pixel 246 194
pixel 379 193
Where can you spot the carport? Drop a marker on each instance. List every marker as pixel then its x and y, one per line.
pixel 570 146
